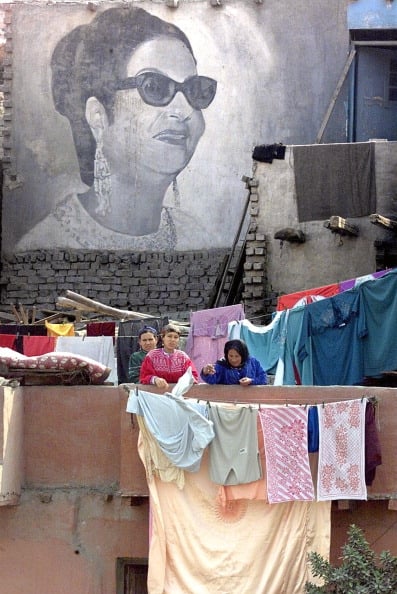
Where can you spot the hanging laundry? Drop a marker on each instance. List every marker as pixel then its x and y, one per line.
pixel 8 341
pixel 155 461
pixel 254 490
pixel 101 329
pixel 181 431
pixel 21 330
pixel 38 345
pixel 356 282
pixel 234 451
pixel 379 306
pixel 209 331
pixel 334 179
pixel 373 453
pixel 65 329
pixel 331 338
pixel 288 301
pixel 312 430
pixel 24 329
pixel 287 461
pixel 288 336
pixel 341 461
pixel 245 547
pixel 261 341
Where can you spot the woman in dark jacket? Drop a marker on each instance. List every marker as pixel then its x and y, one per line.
pixel 236 367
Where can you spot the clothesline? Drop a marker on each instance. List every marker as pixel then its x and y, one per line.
pixel 339 340
pixel 221 427
pixel 254 403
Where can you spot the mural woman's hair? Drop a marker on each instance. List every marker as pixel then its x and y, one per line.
pixel 91 60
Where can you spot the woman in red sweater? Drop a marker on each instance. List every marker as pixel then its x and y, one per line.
pixel 165 366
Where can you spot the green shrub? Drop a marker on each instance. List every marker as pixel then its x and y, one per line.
pixel 360 572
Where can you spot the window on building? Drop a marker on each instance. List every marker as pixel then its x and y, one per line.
pixel 393 80
pixel 131 576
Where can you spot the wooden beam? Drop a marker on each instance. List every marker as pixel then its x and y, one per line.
pixel 341 226
pixel 331 106
pixel 105 309
pixel 385 222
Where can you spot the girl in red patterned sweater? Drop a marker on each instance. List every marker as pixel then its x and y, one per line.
pixel 165 366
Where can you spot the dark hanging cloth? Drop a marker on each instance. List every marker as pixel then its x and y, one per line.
pixel 267 152
pixel 373 454
pixel 313 432
pixel 127 342
pixel 24 329
pixel 101 329
pixel 335 180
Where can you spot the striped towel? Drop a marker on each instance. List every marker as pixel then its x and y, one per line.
pixel 287 460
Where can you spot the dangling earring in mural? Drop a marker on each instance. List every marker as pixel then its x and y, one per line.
pixel 177 196
pixel 102 181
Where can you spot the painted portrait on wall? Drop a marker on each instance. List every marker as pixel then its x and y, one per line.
pixel 127 82
pixel 132 126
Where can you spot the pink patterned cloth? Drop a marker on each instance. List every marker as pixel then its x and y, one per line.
pixel 341 465
pixel 287 460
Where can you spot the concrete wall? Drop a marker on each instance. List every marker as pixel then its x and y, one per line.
pixel 272 85
pixel 325 257
pixel 83 500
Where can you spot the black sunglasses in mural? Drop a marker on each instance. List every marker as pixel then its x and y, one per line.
pixel 159 90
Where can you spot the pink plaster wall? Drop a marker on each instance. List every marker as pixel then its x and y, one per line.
pixel 72 523
pixel 72 435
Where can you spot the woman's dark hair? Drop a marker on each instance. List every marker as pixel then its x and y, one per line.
pixel 170 328
pixel 239 346
pixel 91 59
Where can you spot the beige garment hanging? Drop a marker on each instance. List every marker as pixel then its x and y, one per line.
pixel 197 545
pixel 155 461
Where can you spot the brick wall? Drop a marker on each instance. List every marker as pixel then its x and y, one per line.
pixel 260 300
pixel 145 282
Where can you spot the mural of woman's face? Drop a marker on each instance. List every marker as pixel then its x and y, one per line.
pixel 158 138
